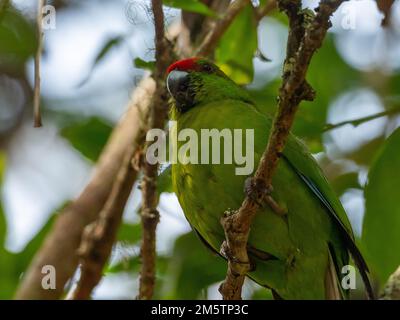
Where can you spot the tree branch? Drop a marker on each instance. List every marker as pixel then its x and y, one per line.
pixel 357 122
pixel 306 34
pixel 195 26
pixel 99 236
pixel 265 10
pixel 385 6
pixel 36 90
pixel 216 32
pixel 159 111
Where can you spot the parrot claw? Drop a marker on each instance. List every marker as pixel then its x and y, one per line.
pixel 226 253
pixel 224 250
pixel 260 193
pixel 256 189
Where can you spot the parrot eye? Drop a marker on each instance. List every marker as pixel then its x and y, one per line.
pixel 207 68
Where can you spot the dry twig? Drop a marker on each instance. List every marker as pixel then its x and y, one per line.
pixel 36 91
pixel 159 111
pixel 210 41
pixel 265 10
pixel 358 121
pixel 99 236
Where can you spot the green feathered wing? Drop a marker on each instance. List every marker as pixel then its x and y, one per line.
pixel 300 255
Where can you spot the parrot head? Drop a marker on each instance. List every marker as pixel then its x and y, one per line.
pixel 195 81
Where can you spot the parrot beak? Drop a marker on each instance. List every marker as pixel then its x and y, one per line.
pixel 177 82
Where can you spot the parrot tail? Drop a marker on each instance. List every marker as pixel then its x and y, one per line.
pixel 348 238
pixel 332 290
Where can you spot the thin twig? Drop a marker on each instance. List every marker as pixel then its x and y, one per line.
pixel 36 91
pixel 98 237
pixel 357 122
pixel 265 10
pixel 305 37
pixel 159 110
pixel 385 6
pixel 195 26
pixel 211 39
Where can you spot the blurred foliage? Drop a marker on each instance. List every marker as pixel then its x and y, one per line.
pixel 381 228
pixel 12 265
pixel 191 6
pixel 242 31
pixel 164 181
pixel 346 181
pixel 3 224
pixel 129 233
pixel 17 41
pixel 142 64
pixel 88 136
pixel 190 257
pixel 108 45
pixel 337 77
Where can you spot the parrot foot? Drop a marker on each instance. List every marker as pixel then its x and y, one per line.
pixel 256 190
pixel 260 193
pixel 227 254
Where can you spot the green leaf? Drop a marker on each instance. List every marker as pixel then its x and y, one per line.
pixel 26 255
pixel 133 264
pixel 164 181
pixel 107 46
pixel 105 49
pixel 142 64
pixel 129 264
pixel 129 233
pixel 190 6
pixel 194 266
pixel 237 47
pixel 14 264
pixel 364 154
pixel 381 228
pixel 8 275
pixel 18 41
pixel 3 222
pixel 346 181
pixel 88 136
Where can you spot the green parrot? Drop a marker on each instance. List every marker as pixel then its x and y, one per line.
pixel 298 255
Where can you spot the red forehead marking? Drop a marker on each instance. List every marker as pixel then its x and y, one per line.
pixel 183 65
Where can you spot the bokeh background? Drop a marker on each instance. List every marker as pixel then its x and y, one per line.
pixel 88 75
